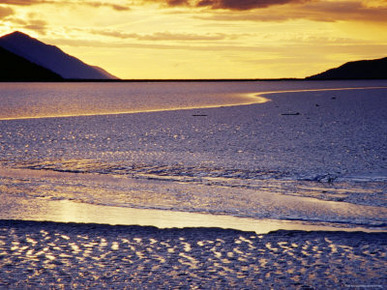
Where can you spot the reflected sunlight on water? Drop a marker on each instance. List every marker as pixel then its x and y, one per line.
pixel 32 100
pixel 50 100
pixel 105 199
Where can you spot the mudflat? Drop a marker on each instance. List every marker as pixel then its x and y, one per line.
pixel 64 255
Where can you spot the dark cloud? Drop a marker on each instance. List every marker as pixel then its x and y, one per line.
pixel 227 4
pixel 316 10
pixel 243 4
pixel 119 7
pixel 351 10
pixel 322 11
pixel 177 2
pixel 5 12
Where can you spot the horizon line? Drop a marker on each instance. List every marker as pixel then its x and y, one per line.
pixel 183 80
pixel 160 80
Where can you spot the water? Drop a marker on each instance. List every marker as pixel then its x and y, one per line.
pixel 37 100
pixel 96 152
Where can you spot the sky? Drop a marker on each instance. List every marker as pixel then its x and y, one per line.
pixel 205 39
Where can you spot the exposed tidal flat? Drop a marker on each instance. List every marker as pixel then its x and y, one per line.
pixel 52 255
pixel 311 158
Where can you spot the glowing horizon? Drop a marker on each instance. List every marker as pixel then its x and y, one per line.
pixel 206 39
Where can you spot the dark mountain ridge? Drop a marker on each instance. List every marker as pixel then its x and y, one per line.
pixel 16 68
pixel 363 69
pixel 35 60
pixel 51 57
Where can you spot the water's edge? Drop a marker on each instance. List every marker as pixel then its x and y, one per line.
pixel 21 202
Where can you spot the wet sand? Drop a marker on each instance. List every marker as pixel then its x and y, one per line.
pixel 59 255
pixel 166 204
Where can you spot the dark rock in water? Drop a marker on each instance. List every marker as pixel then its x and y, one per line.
pixel 290 114
pixel 363 69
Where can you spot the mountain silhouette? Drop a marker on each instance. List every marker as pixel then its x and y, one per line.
pixel 51 57
pixel 363 69
pixel 16 68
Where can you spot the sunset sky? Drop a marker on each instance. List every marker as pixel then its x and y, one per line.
pixel 147 39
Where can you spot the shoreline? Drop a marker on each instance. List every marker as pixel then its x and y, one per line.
pixel 92 225
pixel 43 207
pixel 190 80
pixel 64 211
pixel 147 229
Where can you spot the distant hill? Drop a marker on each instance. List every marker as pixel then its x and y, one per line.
pixel 16 68
pixel 51 57
pixel 363 69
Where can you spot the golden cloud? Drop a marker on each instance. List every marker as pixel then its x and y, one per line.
pixel 5 12
pixel 89 3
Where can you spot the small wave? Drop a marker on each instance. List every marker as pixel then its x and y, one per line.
pixel 205 190
pixel 368 189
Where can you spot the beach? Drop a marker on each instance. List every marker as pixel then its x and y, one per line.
pixel 57 255
pixel 289 192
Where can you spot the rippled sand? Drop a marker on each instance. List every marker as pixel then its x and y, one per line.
pixel 38 254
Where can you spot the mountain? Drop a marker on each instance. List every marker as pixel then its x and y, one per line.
pixel 16 68
pixel 363 69
pixel 51 57
pixel 104 72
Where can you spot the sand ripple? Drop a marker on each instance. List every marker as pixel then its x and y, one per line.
pixel 34 254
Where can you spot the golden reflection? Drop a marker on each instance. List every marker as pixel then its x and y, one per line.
pixel 60 209
pixel 69 211
pixel 243 99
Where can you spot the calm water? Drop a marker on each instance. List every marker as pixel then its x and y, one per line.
pixel 316 157
pixel 34 100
